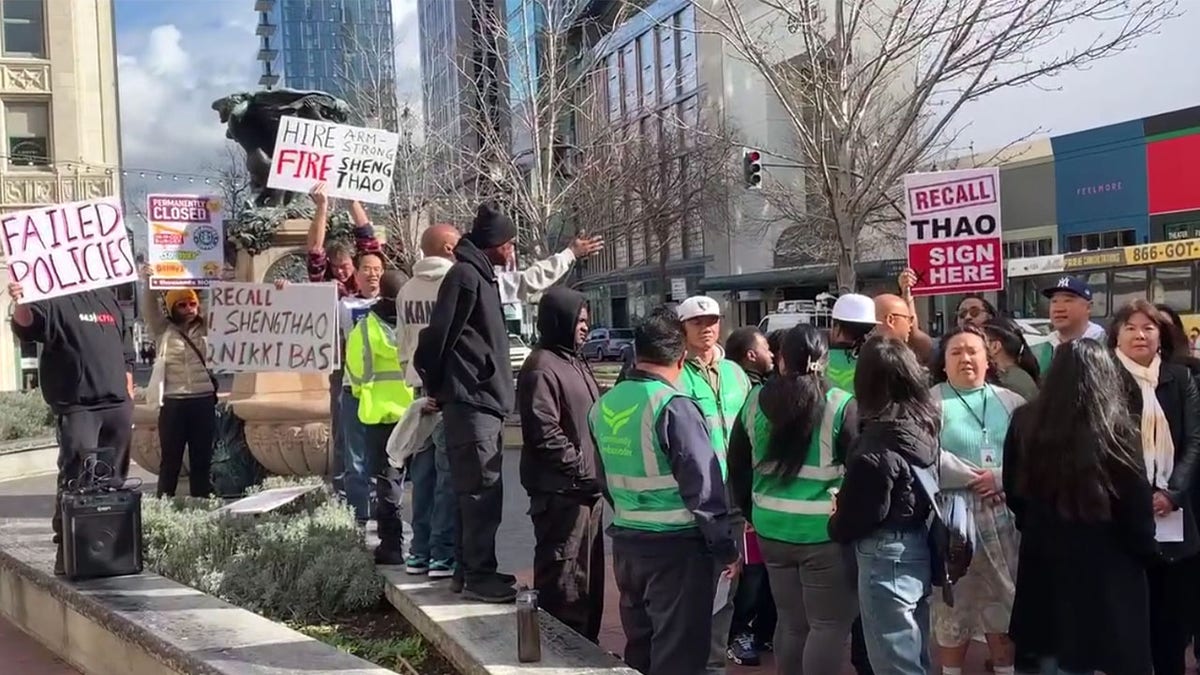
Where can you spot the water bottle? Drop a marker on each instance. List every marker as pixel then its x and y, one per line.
pixel 529 639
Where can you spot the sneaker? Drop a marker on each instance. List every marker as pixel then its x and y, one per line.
pixel 490 590
pixel 416 565
pixel 506 578
pixel 741 651
pixel 388 555
pixel 441 569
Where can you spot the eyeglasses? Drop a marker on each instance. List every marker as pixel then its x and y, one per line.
pixel 971 312
pixel 909 317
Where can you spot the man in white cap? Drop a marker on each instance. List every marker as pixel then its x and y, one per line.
pixel 720 387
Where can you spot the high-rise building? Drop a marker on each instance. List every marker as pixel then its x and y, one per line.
pixel 343 47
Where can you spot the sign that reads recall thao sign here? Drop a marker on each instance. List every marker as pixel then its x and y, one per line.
pixel 954 242
pixel 187 245
pixel 259 328
pixel 353 162
pixel 67 248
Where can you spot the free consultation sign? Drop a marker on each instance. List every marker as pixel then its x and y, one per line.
pixel 954 242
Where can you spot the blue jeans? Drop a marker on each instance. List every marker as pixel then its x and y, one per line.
pixel 893 593
pixel 1049 666
pixel 434 506
pixel 356 464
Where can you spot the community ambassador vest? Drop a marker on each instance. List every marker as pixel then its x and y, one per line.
pixel 841 367
pixel 374 372
pixel 720 407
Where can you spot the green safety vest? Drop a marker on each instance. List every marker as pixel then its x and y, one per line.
pixel 375 373
pixel 644 492
pixel 840 369
pixel 796 511
pixel 720 408
pixel 1043 352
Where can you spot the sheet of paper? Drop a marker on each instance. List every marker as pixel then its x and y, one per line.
pixel 1169 527
pixel 721 597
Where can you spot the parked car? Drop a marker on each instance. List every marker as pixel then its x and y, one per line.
pixel 518 351
pixel 604 344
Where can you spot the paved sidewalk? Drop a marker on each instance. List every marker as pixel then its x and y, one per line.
pixel 22 654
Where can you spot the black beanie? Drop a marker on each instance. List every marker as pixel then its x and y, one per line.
pixel 491 228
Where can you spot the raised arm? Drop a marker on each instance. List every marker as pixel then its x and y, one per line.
pixel 317 264
pixel 545 273
pixel 156 321
pixel 365 240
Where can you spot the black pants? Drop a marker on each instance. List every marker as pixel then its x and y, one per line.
pixel 568 560
pixel 753 606
pixel 1172 587
pixel 85 432
pixel 474 446
pixel 858 649
pixel 187 423
pixel 389 487
pixel 666 609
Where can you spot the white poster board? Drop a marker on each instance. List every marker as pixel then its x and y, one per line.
pixel 67 248
pixel 186 241
pixel 954 234
pixel 353 162
pixel 259 328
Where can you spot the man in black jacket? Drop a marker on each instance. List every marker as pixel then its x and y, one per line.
pixel 555 391
pixel 462 358
pixel 86 376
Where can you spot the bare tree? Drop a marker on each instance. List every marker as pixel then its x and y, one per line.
pixel 872 89
pixel 228 175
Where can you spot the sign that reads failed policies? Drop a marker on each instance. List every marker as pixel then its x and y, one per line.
pixel 259 328
pixel 67 248
pixel 187 246
pixel 954 243
pixel 353 162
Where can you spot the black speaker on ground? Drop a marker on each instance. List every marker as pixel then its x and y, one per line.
pixel 102 533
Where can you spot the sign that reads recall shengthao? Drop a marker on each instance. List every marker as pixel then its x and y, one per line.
pixel 954 242
pixel 353 162
pixel 187 245
pixel 260 328
pixel 67 248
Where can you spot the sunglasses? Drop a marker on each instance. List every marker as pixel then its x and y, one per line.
pixel 971 312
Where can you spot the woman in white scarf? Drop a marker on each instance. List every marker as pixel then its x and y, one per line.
pixel 1164 398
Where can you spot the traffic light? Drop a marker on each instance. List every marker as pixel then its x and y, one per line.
pixel 752 168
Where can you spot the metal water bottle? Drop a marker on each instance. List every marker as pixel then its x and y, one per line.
pixel 529 639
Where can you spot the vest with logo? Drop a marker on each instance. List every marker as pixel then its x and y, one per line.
pixel 796 511
pixel 645 493
pixel 721 406
pixel 374 372
pixel 841 367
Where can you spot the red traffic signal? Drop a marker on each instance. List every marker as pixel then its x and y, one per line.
pixel 752 168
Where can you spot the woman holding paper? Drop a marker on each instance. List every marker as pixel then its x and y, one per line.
pixel 1164 402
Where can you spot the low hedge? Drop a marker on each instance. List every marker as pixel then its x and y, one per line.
pixel 23 414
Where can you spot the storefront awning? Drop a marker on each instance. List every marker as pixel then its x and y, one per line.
pixel 805 275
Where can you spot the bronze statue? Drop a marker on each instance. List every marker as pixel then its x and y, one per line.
pixel 252 119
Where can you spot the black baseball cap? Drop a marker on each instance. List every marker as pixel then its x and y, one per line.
pixel 1069 284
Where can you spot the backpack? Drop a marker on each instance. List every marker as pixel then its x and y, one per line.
pixel 951 533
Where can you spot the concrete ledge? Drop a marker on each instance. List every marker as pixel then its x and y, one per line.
pixel 36 458
pixel 146 624
pixel 479 638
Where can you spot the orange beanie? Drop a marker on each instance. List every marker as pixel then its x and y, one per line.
pixel 178 295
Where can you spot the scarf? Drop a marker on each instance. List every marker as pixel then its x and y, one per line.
pixel 1158 449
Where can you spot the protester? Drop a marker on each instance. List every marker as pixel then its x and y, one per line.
pixel 720 387
pixel 555 392
pixel 1015 365
pixel 897 317
pixel 1075 480
pixel 86 377
pixel 182 387
pixel 748 347
pixel 774 344
pixel 882 509
pixel 1163 398
pixel 974 309
pixel 974 423
pixel 785 464
pixel 1070 309
pixel 854 319
pixel 671 523
pixel 355 476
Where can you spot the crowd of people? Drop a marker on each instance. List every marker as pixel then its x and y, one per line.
pixel 795 492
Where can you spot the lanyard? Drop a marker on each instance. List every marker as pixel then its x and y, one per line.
pixel 981 419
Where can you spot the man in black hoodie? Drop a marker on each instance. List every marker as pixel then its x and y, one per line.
pixel 86 375
pixel 462 358
pixel 555 391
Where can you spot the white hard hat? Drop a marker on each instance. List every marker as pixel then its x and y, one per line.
pixel 698 305
pixel 854 308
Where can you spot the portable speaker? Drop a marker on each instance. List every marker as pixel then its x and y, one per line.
pixel 102 534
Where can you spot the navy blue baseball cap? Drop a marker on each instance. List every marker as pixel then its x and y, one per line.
pixel 1069 284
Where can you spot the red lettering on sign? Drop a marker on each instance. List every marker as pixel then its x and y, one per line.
pixel 303 164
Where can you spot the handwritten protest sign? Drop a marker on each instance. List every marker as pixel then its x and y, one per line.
pixel 954 242
pixel 257 327
pixel 187 242
pixel 67 248
pixel 353 162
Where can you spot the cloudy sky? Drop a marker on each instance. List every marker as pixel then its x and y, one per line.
pixel 175 58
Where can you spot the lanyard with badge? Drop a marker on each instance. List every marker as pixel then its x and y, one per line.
pixel 987 451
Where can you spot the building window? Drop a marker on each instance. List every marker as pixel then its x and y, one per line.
pixel 1095 241
pixel 1173 286
pixel 1181 231
pixel 28 128
pixel 667 53
pixel 1028 248
pixel 24 28
pixel 646 45
pixel 686 22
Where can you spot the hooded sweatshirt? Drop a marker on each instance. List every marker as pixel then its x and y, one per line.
pixel 555 391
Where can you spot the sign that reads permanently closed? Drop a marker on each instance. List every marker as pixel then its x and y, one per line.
pixel 67 248
pixel 353 162
pixel 187 245
pixel 260 328
pixel 954 243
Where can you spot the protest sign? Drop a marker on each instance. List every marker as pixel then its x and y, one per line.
pixel 259 328
pixel 67 248
pixel 954 243
pixel 353 162
pixel 187 242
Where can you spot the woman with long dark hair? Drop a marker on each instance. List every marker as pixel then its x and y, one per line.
pixel 1174 340
pixel 882 509
pixel 1075 481
pixel 1016 367
pixel 786 461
